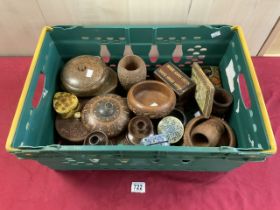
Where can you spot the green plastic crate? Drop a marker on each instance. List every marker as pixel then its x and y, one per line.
pixel 32 133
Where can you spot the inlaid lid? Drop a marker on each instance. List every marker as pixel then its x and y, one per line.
pixel 172 127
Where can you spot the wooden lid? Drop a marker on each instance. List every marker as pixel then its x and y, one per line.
pixel 108 113
pixel 172 127
pixel 71 129
pixel 84 75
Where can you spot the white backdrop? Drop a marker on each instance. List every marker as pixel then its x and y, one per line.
pixel 22 20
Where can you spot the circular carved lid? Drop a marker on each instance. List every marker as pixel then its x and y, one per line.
pixel 172 127
pixel 83 75
pixel 108 113
pixel 71 129
pixel 64 103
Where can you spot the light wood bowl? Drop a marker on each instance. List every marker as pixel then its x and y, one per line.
pixel 151 98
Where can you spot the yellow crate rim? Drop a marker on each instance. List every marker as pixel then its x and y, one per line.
pixel 27 82
pixel 239 30
pixel 257 88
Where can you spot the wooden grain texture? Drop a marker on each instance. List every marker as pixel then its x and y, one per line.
pixel 21 21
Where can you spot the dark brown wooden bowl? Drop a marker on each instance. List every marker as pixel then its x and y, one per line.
pixel 222 102
pixel 151 98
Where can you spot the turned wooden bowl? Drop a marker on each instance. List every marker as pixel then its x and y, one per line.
pixel 151 98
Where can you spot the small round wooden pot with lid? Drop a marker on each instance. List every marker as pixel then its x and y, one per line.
pixel 88 75
pixel 107 113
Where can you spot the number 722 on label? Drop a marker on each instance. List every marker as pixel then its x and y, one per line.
pixel 138 187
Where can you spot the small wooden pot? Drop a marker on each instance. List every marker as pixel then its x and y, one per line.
pixel 88 75
pixel 151 98
pixel 107 113
pixel 222 102
pixel 139 127
pixel 131 69
pixel 72 129
pixel 208 133
pixel 96 138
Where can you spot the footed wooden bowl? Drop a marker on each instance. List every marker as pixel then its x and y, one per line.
pixel 151 98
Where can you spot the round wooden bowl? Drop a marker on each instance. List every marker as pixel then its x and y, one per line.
pixel 227 138
pixel 151 98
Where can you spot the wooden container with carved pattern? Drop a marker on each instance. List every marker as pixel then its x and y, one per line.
pixel 107 113
pixel 151 98
pixel 131 69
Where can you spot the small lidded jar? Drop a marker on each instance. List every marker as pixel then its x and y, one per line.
pixel 88 75
pixel 107 113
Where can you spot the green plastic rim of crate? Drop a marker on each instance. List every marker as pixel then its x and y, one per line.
pixel 32 134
